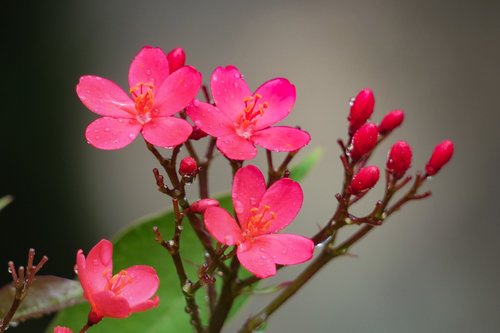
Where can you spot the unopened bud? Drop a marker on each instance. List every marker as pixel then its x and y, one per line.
pixel 440 156
pixel 391 120
pixel 62 329
pixel 361 109
pixel 197 134
pixel 176 59
pixel 188 166
pixel 364 180
pixel 363 141
pixel 201 205
pixel 399 160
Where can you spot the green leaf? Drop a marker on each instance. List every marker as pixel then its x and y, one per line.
pixel 304 166
pixel 136 246
pixel 46 294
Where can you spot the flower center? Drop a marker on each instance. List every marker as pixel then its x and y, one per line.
pixel 144 101
pixel 119 281
pixel 248 118
pixel 259 222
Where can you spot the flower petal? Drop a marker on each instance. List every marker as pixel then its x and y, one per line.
pixel 112 133
pixel 222 226
pixel 104 97
pixel 229 89
pixel 284 198
pixel 144 284
pixel 210 119
pixel 95 271
pixel 107 304
pixel 150 65
pixel 255 261
pixel 281 138
pixel 166 132
pixel 286 249
pixel 146 305
pixel 248 188
pixel 279 94
pixel 236 147
pixel 177 91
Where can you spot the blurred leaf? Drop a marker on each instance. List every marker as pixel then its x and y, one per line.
pixel 47 294
pixel 136 246
pixel 4 201
pixel 304 166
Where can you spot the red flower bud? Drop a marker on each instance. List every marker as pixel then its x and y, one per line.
pixel 188 166
pixel 440 156
pixel 363 141
pixel 391 120
pixel 176 59
pixel 361 109
pixel 399 160
pixel 364 180
pixel 197 133
pixel 201 205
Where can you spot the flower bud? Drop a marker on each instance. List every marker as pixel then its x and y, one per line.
pixel 440 156
pixel 361 109
pixel 363 141
pixel 188 166
pixel 197 133
pixel 176 59
pixel 391 120
pixel 399 160
pixel 364 180
pixel 201 205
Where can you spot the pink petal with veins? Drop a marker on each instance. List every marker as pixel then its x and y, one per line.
pixel 279 94
pixel 285 249
pixel 112 133
pixel 177 91
pixel 107 304
pixel 281 138
pixel 285 199
pixel 222 226
pixel 104 97
pixel 166 132
pixel 144 284
pixel 256 261
pixel 210 119
pixel 146 305
pixel 236 147
pixel 248 188
pixel 229 89
pixel 150 65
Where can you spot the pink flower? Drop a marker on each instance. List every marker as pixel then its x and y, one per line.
pixel 176 59
pixel 156 96
pixel 201 205
pixel 261 213
pixel 62 329
pixel 116 296
pixel 242 119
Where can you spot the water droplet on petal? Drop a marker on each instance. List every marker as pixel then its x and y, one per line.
pixel 148 71
pixel 228 239
pixel 238 206
pixel 75 268
pixel 196 102
pixel 107 129
pixel 131 135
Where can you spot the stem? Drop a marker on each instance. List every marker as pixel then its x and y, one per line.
pixel 86 327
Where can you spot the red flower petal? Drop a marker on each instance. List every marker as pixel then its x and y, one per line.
pixel 104 97
pixel 248 188
pixel 210 119
pixel 222 226
pixel 146 305
pixel 112 133
pixel 166 132
pixel 284 198
pixel 110 305
pixel 150 65
pixel 255 261
pixel 143 285
pixel 229 89
pixel 236 147
pixel 98 265
pixel 177 91
pixel 176 59
pixel 285 249
pixel 281 138
pixel 279 94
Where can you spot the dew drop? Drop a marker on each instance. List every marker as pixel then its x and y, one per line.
pixel 148 71
pixel 228 239
pixel 107 129
pixel 116 142
pixel 120 120
pixel 238 206
pixel 283 251
pixel 97 137
pixel 131 135
pixel 75 268
pixel 351 101
pixel 9 270
pixel 196 102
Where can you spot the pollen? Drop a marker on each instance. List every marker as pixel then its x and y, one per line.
pixel 143 96
pixel 254 109
pixel 119 281
pixel 260 221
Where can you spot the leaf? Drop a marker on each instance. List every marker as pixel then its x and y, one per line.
pixel 304 166
pixel 47 294
pixel 136 246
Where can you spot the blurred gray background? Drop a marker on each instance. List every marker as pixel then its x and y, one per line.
pixel 434 267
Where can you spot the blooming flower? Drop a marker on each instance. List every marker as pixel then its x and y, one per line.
pixel 119 295
pixel 156 96
pixel 261 213
pixel 242 119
